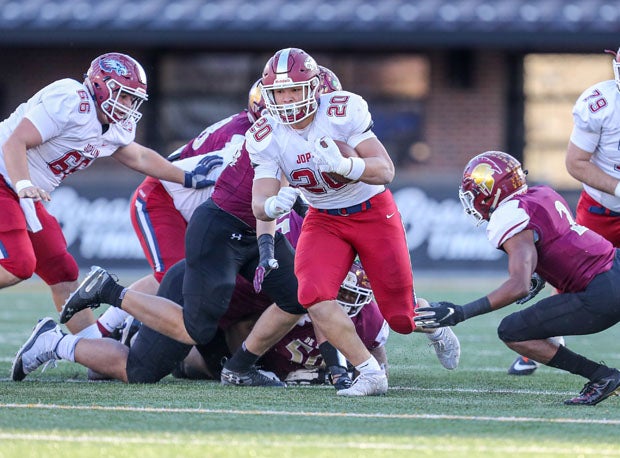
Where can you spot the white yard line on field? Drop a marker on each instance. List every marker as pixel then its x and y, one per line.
pixel 313 414
pixel 270 444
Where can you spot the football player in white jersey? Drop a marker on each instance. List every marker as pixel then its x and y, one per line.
pixel 351 213
pixel 593 155
pixel 61 129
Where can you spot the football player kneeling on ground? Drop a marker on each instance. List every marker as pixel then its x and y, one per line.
pixel 535 227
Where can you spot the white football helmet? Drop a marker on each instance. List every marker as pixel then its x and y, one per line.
pixel 355 291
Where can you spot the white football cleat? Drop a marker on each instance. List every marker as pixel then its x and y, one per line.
pixel 447 347
pixel 40 348
pixel 367 384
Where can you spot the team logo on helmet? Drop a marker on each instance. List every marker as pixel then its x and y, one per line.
pixel 482 176
pixel 113 65
pixel 310 63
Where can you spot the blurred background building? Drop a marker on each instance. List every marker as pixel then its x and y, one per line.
pixel 444 80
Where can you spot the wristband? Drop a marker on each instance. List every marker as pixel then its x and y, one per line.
pixel 358 165
pixel 477 307
pixel 23 184
pixel 617 190
pixel 270 210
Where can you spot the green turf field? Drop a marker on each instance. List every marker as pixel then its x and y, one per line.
pixel 476 410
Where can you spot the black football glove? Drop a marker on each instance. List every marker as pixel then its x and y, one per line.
pixel 537 284
pixel 439 315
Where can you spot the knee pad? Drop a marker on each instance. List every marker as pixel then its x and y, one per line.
pixel 17 254
pixel 22 267
pixel 402 324
pixel 506 329
pixel 57 269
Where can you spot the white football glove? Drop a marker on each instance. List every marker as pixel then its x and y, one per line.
pixel 282 203
pixel 328 157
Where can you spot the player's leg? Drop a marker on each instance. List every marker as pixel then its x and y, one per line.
pixel 48 343
pixel 17 258
pixel 58 269
pixel 275 321
pixel 321 262
pixel 160 229
pixel 528 332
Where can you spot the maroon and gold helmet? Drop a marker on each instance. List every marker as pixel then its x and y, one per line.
pixel 112 75
pixel 256 104
pixel 291 68
pixel 489 179
pixel 329 82
pixel 355 291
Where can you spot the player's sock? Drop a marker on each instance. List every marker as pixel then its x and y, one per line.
pixel 91 332
pixel 370 365
pixel 242 360
pixel 66 347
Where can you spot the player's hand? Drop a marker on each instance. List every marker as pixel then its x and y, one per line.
pixel 438 315
pixel 281 203
pixel 537 284
pixel 26 190
pixel 266 262
pixel 301 206
pixel 328 157
pixel 263 269
pixel 197 178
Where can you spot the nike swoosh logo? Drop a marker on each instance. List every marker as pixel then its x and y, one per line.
pixel 390 215
pixel 519 366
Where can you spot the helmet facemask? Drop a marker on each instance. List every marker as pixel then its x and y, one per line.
pixel 115 109
pixel 355 291
pixel 113 77
pixel 616 66
pixel 467 201
pixel 488 180
pixel 291 113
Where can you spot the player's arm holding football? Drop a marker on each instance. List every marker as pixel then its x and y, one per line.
pixel 379 168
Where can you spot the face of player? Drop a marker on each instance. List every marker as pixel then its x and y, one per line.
pixel 289 95
pixel 292 95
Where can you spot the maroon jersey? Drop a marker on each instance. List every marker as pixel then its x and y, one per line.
pixel 299 348
pixel 569 255
pixel 233 189
pixel 218 135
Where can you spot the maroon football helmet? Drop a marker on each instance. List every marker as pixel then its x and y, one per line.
pixel 355 291
pixel 112 75
pixel 329 82
pixel 256 104
pixel 489 179
pixel 291 68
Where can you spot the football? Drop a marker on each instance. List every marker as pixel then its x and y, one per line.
pixel 346 151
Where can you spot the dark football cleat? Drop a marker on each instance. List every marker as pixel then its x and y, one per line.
pixel 343 382
pixel 87 294
pixel 597 390
pixel 253 377
pixel 522 366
